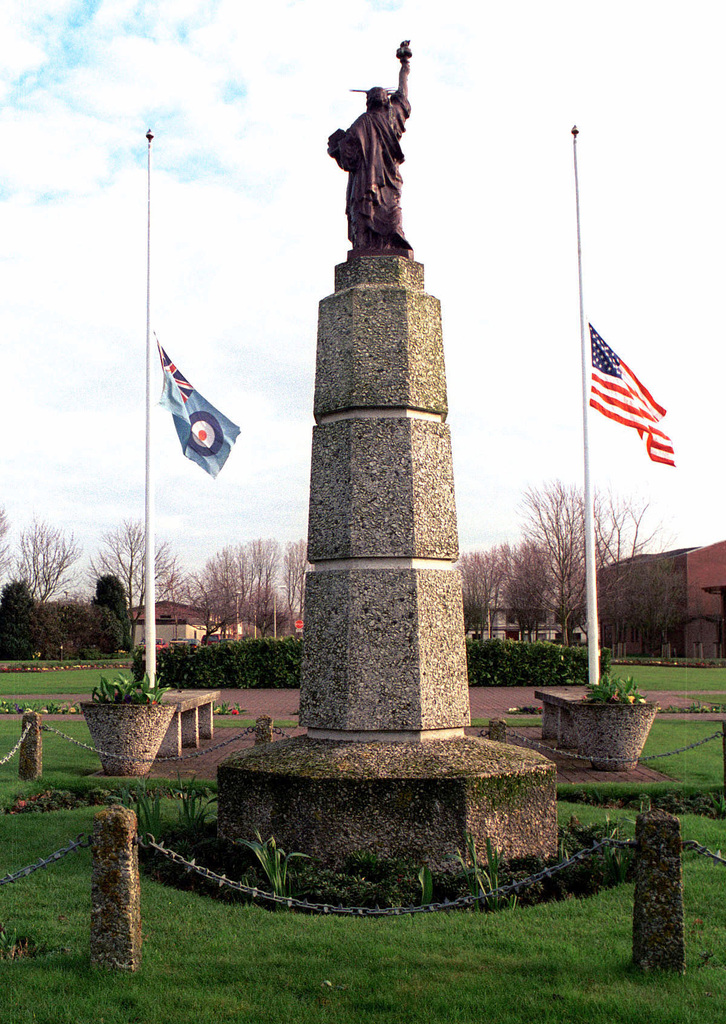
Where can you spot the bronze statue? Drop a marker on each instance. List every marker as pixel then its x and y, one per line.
pixel 371 154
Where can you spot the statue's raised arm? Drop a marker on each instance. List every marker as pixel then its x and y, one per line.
pixel 404 55
pixel 370 152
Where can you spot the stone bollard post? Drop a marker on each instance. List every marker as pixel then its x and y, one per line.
pixel 31 749
pixel 658 940
pixel 115 891
pixel 498 730
pixel 263 729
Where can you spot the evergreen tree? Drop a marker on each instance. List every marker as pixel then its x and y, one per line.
pixel 16 611
pixel 110 594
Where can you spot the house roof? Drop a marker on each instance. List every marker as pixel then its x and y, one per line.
pixel 174 611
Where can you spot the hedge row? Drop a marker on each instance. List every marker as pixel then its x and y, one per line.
pixel 275 664
pixel 244 665
pixel 515 663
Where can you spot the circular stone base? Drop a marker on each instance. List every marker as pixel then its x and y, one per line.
pixel 328 798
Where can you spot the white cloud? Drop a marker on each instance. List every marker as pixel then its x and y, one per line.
pixel 248 222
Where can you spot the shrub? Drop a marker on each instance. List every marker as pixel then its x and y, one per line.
pixel 516 663
pixel 275 664
pixel 111 595
pixel 240 664
pixel 16 611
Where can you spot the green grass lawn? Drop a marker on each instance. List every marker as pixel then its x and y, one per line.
pixel 666 677
pixel 653 677
pixel 14 684
pixel 566 962
pixel 207 962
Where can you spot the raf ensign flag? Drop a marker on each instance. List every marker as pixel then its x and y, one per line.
pixel 206 435
pixel 618 394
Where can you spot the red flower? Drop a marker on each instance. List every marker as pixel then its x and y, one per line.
pixel 234 711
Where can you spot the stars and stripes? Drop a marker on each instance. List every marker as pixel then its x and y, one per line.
pixel 618 394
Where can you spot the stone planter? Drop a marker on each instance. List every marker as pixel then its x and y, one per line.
pixel 612 735
pixel 130 733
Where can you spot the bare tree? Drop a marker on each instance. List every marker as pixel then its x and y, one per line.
pixel 554 520
pixel 220 592
pixel 526 587
pixel 123 555
pixel 622 534
pixel 295 564
pixel 4 547
pixel 212 592
pixel 264 563
pixel 657 599
pixel 621 528
pixel 46 559
pixel 482 578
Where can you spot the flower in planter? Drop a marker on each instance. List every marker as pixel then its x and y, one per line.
pixel 127 691
pixel 613 690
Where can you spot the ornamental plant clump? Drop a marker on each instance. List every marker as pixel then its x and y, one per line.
pixel 613 690
pixel 127 691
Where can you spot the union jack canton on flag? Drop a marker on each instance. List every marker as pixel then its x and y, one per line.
pixel 206 435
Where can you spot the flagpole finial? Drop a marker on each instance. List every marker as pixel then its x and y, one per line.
pixel 575 130
pixel 149 136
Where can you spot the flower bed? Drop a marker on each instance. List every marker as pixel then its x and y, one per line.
pixel 65 666
pixel 43 707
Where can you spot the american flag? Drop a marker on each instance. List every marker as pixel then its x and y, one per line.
pixel 185 388
pixel 618 394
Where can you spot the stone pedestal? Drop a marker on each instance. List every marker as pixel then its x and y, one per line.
pixel 416 800
pixel 384 691
pixel 384 628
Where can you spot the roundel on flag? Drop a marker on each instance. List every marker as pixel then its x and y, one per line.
pixel 207 436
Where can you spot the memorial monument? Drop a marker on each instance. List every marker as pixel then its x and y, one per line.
pixel 386 764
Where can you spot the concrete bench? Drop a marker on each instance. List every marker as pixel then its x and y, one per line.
pixel 557 721
pixel 194 718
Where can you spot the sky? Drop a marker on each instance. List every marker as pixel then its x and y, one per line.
pixel 248 223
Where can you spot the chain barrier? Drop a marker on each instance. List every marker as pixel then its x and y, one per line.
pixel 680 750
pixel 208 750
pixel 160 757
pixel 691 844
pixel 501 892
pixel 80 842
pixel 525 741
pixel 16 748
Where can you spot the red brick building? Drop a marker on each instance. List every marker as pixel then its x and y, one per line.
pixel 699 631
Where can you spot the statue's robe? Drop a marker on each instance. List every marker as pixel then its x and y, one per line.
pixel 371 153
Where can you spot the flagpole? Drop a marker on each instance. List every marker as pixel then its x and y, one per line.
pixel 149 541
pixel 593 644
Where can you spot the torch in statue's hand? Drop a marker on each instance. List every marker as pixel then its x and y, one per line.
pixel 404 51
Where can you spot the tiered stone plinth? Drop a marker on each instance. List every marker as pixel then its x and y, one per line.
pixel 384 691
pixel 415 800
